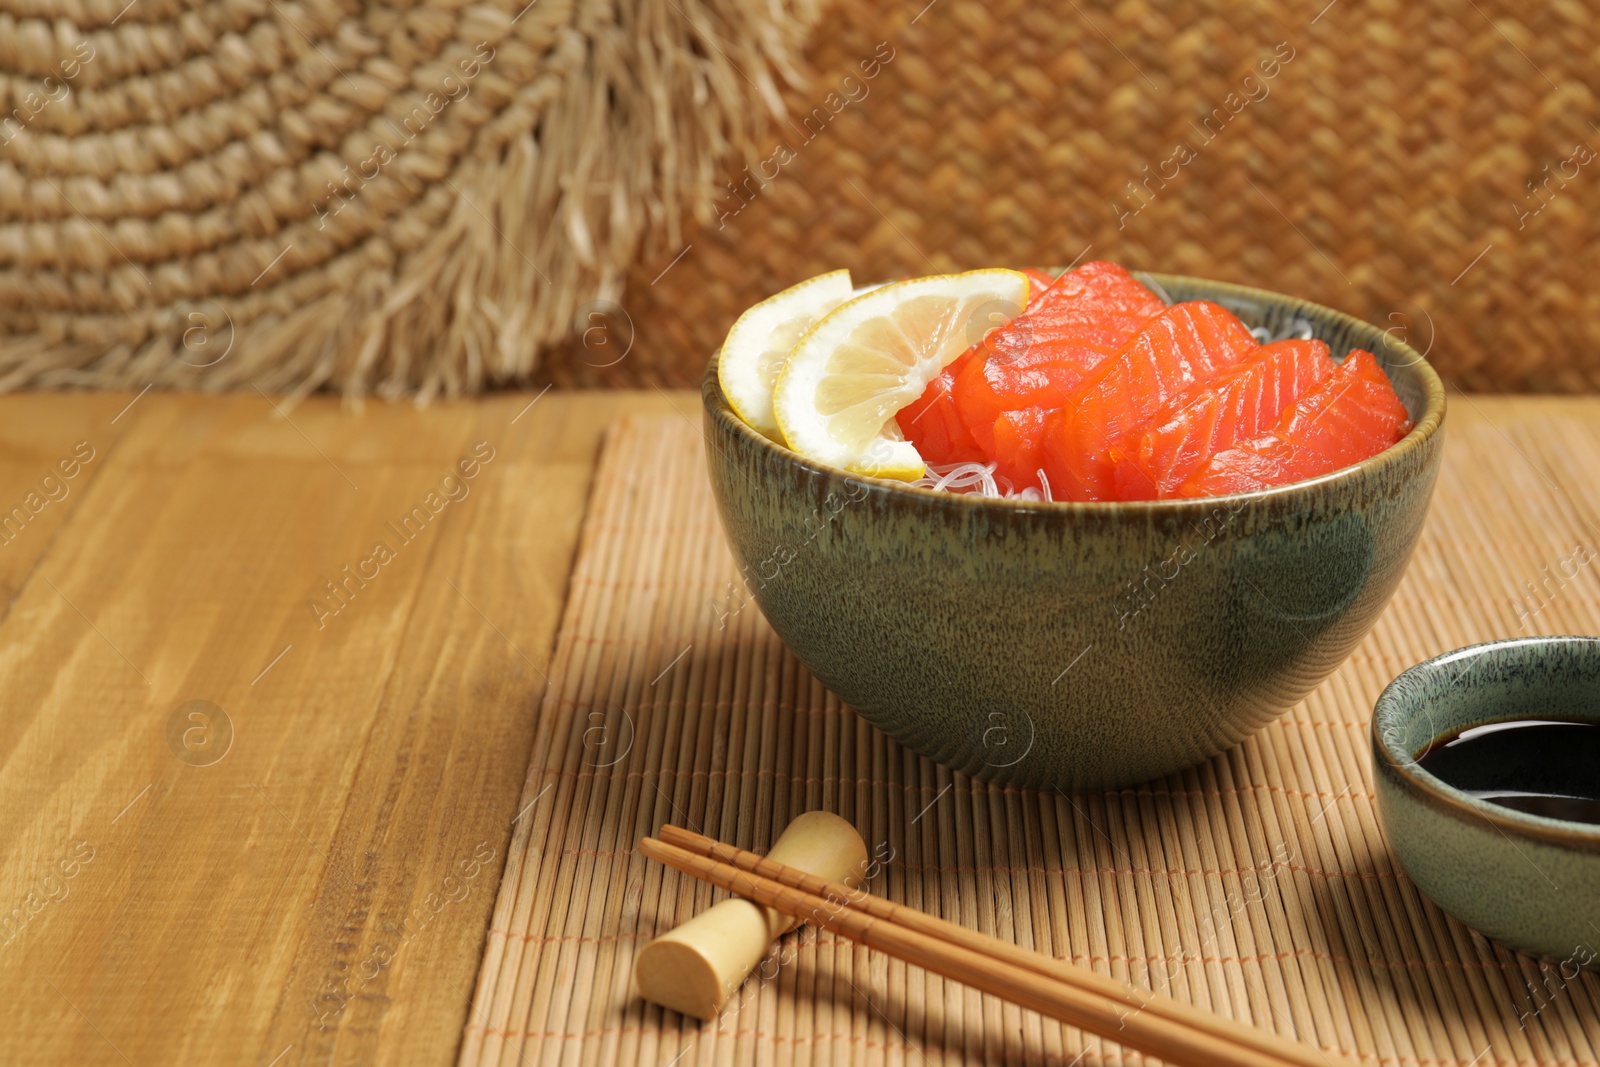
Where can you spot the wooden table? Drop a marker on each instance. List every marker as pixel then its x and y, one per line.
pixel 300 867
pixel 317 890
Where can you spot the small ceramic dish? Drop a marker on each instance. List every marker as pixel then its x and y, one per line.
pixel 1524 879
pixel 1078 645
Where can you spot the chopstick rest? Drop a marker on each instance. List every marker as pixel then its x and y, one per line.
pixel 695 967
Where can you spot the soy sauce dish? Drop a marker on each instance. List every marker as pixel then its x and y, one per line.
pixel 1467 749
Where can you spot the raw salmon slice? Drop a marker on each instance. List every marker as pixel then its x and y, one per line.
pixel 1352 415
pixel 1019 446
pixel 985 389
pixel 1042 355
pixel 1071 323
pixel 1099 304
pixel 1238 404
pixel 932 421
pixel 1038 282
pixel 934 424
pixel 1091 430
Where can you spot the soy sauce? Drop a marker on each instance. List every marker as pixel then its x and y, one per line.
pixel 1548 767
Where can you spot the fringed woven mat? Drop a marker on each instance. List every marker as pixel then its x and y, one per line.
pixel 400 198
pixel 1257 885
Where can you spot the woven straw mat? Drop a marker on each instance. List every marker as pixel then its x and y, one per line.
pixel 1372 155
pixel 411 197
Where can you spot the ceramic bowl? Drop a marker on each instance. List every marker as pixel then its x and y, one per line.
pixel 1077 645
pixel 1529 881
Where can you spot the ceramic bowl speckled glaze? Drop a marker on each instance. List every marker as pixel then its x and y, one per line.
pixel 1077 645
pixel 1529 881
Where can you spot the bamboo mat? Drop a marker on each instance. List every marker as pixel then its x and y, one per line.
pixel 1257 885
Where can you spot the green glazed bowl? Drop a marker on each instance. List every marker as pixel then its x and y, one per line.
pixel 1077 645
pixel 1529 881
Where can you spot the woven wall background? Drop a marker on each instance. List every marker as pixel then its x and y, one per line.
pixel 1384 169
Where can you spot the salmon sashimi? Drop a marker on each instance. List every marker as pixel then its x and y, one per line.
pixel 1038 282
pixel 985 389
pixel 932 421
pixel 1099 304
pixel 934 424
pixel 1019 446
pixel 1352 415
pixel 1089 432
pixel 1238 404
pixel 1042 355
pixel 1097 390
pixel 1071 323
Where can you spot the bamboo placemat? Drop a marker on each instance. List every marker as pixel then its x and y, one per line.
pixel 1257 885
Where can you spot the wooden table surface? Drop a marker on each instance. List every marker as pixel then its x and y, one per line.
pixel 300 868
pixel 316 891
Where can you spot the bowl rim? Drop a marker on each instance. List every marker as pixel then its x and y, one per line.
pixel 1560 833
pixel 1427 426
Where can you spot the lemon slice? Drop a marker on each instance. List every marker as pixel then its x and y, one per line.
pixel 757 347
pixel 865 360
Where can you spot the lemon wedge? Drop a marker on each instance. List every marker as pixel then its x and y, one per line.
pixel 862 362
pixel 755 350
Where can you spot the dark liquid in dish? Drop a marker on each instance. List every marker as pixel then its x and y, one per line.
pixel 1548 767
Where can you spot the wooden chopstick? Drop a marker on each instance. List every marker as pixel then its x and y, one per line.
pixel 1135 1018
pixel 1130 996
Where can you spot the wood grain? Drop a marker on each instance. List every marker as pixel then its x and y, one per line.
pixel 319 893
